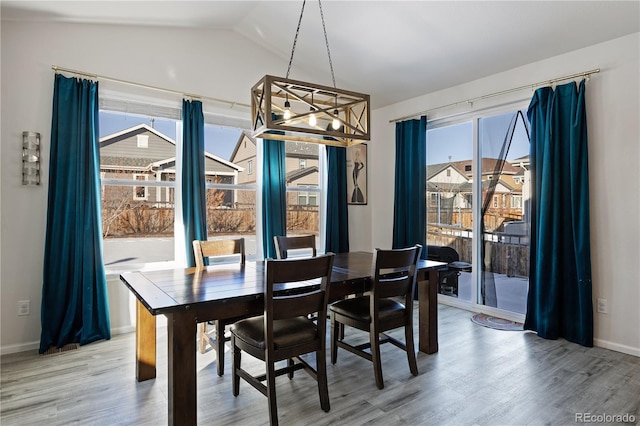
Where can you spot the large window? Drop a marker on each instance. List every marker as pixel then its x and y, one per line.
pixel 137 164
pixel 140 167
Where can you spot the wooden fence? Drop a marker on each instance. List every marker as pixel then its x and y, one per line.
pixel 504 254
pixel 145 221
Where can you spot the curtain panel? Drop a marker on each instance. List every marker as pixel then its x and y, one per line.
pixel 560 289
pixel 337 233
pixel 410 195
pixel 75 306
pixel 194 205
pixel 274 195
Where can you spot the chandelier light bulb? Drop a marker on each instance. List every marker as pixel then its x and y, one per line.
pixel 312 119
pixel 335 124
pixel 287 110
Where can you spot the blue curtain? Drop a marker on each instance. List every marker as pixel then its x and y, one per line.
pixel 410 197
pixel 274 195
pixel 194 205
pixel 337 234
pixel 75 305
pixel 559 301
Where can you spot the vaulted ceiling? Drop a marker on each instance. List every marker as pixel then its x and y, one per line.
pixel 393 50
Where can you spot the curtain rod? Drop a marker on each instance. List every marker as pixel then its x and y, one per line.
pixel 231 104
pixel 503 92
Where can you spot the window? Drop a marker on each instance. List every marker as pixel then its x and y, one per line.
pixel 467 168
pixel 307 198
pixel 140 192
pixel 516 201
pixel 448 172
pixel 137 219
pixel 138 169
pixel 143 141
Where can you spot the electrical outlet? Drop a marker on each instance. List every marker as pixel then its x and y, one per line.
pixel 24 307
pixel 603 307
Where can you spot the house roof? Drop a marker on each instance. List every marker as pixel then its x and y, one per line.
pixel 244 135
pixel 132 131
pixel 300 173
pixel 164 163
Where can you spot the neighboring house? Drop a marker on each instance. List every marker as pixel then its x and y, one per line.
pixel 301 164
pixel 449 187
pixel 142 153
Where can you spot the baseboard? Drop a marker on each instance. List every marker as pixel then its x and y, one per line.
pixel 21 347
pixel 629 350
pixel 35 346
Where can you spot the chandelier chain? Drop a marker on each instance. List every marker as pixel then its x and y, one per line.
pixel 326 41
pixel 295 39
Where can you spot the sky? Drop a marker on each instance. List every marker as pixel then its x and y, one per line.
pixel 219 140
pixel 456 141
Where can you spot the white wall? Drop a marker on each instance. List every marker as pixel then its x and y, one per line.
pixel 613 112
pixel 161 56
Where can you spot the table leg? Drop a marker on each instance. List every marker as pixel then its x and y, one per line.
pixel 145 343
pixel 181 336
pixel 428 313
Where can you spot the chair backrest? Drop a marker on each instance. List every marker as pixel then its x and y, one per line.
pixel 216 248
pixel 394 273
pixel 284 244
pixel 283 304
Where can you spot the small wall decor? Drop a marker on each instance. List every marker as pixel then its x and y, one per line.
pixel 357 174
pixel 30 158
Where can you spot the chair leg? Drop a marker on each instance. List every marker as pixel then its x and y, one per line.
pixel 235 365
pixel 202 337
pixel 375 356
pixel 334 338
pixel 220 347
pixel 411 352
pixel 271 391
pixel 323 388
pixel 290 364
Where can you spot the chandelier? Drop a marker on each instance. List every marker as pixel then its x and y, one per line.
pixel 286 109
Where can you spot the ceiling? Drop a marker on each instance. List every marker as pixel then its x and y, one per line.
pixel 393 50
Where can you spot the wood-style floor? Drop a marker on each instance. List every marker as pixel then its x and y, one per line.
pixel 480 376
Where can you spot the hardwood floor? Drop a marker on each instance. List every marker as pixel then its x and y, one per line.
pixel 479 376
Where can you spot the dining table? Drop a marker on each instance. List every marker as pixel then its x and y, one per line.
pixel 188 296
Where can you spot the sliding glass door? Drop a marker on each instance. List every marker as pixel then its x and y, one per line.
pixel 484 158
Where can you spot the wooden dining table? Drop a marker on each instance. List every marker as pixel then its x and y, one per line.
pixel 189 296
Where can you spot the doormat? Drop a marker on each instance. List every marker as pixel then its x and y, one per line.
pixel 496 323
pixel 68 347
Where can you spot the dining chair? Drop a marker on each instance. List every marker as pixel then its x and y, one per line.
pixel 394 276
pixel 285 243
pixel 283 332
pixel 217 249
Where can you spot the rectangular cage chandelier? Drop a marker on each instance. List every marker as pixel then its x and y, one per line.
pixel 285 109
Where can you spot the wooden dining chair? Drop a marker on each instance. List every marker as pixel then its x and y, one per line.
pixel 217 249
pixel 284 332
pixel 285 243
pixel 394 276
